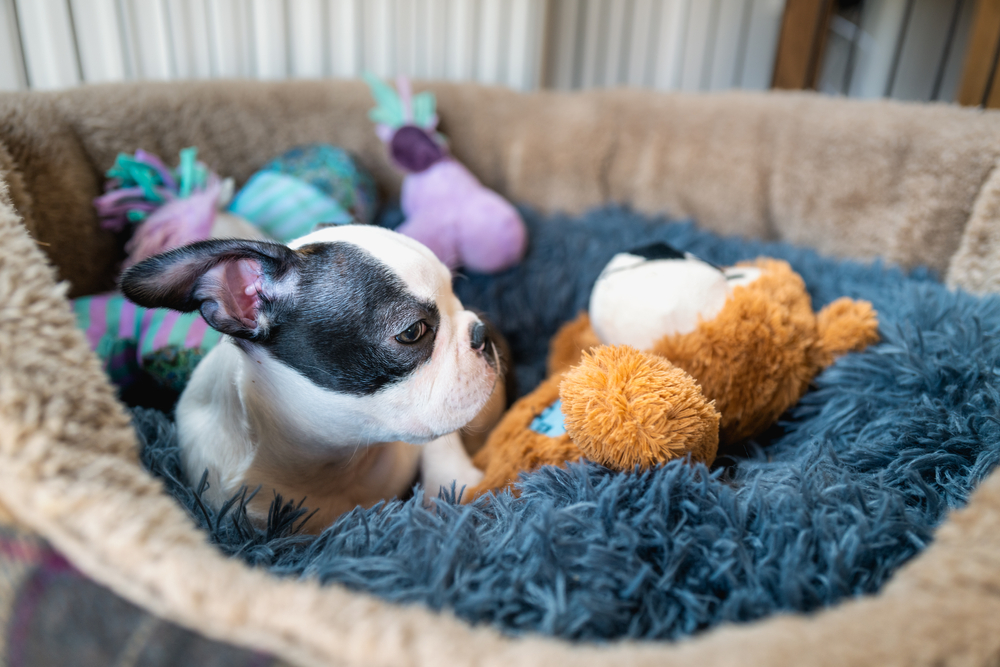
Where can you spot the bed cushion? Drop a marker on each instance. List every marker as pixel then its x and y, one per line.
pixel 828 505
pixel 910 183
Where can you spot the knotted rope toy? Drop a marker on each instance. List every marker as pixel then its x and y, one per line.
pixel 168 208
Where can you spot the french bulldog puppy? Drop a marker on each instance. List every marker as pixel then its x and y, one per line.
pixel 348 368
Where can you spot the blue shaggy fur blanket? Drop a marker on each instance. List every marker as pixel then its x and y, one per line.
pixel 827 505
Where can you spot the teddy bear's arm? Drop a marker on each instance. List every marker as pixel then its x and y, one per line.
pixel 619 407
pixel 514 447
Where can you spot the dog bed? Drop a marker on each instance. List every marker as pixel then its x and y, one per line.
pixel 828 506
pixel 914 185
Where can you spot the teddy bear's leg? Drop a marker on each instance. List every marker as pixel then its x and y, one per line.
pixel 529 436
pixel 845 326
pixel 624 408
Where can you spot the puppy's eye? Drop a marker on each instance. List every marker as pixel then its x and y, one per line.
pixel 414 333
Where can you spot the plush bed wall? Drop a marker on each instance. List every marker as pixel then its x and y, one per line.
pixel 914 184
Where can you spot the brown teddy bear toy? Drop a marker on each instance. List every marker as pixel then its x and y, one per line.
pixel 675 357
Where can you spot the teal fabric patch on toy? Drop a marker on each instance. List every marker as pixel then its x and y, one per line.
pixel 285 207
pixel 550 422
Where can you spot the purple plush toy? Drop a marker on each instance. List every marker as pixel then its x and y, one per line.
pixel 447 209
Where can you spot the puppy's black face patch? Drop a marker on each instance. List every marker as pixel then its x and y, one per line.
pixel 348 310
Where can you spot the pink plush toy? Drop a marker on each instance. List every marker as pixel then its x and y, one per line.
pixel 447 209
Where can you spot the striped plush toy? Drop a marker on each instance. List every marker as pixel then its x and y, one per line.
pixel 130 339
pixel 303 188
pixel 172 207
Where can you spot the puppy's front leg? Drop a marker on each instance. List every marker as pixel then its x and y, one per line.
pixel 444 461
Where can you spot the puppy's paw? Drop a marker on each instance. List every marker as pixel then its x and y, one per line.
pixel 444 462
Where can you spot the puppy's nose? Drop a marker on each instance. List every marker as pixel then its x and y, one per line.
pixel 477 336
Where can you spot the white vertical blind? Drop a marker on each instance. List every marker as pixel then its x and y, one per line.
pixel 309 43
pixel 12 72
pixel 639 40
pixel 149 37
pixel 379 52
pixel 49 43
pixel 463 32
pixel 345 31
pixel 98 34
pixel 614 40
pixel 699 44
pixel 433 30
pixel 268 33
pixel 406 38
pixel 667 44
pixel 881 26
pixel 593 41
pixel 908 49
pixel 187 24
pixel 730 35
pixel 228 36
pixel 670 43
pixel 562 46
pixel 763 28
pixel 491 19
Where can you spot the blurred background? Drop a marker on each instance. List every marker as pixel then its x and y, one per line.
pixel 928 50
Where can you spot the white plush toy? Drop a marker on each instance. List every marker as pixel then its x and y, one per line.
pixel 656 291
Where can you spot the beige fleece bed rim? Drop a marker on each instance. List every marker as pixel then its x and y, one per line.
pixel 69 470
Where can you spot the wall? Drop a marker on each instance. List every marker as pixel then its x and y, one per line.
pixel 907 49
pixel 669 44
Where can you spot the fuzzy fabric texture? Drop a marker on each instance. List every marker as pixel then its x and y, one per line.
pixel 827 507
pixel 51 614
pixel 756 358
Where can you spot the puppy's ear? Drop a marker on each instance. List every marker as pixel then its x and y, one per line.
pixel 239 286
